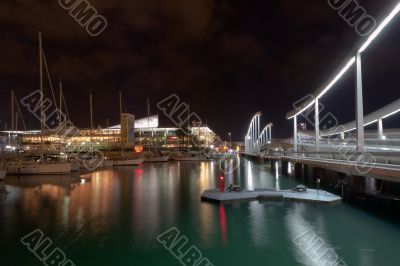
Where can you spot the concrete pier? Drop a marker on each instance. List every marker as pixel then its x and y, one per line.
pixel 311 196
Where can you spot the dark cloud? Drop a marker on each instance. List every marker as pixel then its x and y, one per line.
pixel 229 59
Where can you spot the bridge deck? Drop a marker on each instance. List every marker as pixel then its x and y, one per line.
pixel 379 171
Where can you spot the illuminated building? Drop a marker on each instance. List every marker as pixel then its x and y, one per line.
pixel 147 133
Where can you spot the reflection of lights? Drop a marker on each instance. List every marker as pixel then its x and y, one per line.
pixel 278 187
pixel 289 168
pixel 384 137
pixel 249 176
pixel 222 220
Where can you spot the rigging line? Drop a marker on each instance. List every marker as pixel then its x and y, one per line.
pixel 65 106
pixel 20 113
pixel 51 85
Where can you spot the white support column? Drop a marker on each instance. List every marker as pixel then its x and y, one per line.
pixel 258 133
pixel 317 136
pixel 270 134
pixel 380 128
pixel 252 135
pixel 359 105
pixel 295 133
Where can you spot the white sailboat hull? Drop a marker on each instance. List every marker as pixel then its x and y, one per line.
pixel 191 159
pixel 128 162
pixel 108 163
pixel 33 168
pixel 156 159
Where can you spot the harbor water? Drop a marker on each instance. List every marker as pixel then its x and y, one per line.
pixel 114 216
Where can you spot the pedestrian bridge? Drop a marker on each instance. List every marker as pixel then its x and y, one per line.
pixel 345 147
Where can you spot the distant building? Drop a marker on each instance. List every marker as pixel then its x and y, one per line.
pixel 145 132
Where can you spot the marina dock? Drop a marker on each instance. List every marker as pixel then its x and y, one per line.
pixel 311 196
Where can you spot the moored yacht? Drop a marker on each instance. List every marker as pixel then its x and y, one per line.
pixel 38 168
pixel 43 165
pixel 155 158
pixel 108 163
pixel 128 162
pixel 191 159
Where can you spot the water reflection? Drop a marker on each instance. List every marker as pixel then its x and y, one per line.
pixel 222 220
pixel 297 225
pixel 117 214
pixel 278 186
pixel 258 223
pixel 249 176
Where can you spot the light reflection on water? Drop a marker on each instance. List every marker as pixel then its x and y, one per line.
pixel 115 215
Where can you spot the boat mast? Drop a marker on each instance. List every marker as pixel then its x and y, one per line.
pixel 60 110
pixel 108 135
pixel 12 119
pixel 12 112
pixel 148 124
pixel 188 134
pixel 91 111
pixel 41 92
pixel 120 118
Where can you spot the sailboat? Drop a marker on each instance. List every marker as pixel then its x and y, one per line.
pixel 41 166
pixel 153 156
pixel 125 161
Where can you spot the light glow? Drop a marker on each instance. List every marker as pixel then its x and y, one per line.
pixel 370 123
pixel 393 113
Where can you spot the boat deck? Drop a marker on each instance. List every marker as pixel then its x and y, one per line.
pixel 311 196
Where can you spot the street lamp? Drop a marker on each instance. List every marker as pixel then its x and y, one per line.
pixel 230 139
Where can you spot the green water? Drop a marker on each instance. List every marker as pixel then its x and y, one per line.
pixel 115 218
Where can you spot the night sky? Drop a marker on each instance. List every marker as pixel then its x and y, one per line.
pixel 228 59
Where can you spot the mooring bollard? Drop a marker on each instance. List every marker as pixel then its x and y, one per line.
pixel 318 185
pixel 222 184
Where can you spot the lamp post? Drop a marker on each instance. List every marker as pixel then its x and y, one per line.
pixel 230 139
